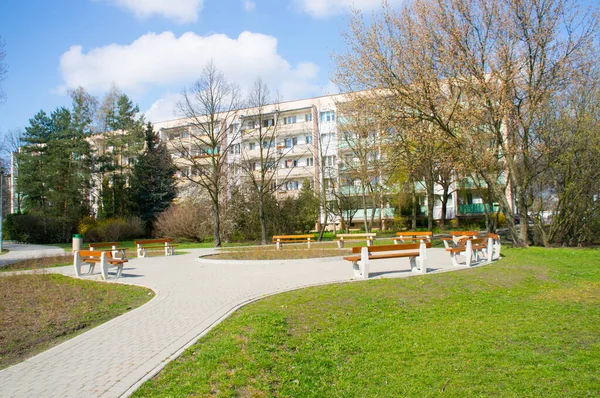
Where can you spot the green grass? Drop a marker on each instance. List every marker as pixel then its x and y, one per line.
pixel 3 251
pixel 38 311
pixel 525 326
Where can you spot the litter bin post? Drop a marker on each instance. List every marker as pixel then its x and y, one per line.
pixel 77 242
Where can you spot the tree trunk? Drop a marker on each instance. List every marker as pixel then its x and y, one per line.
pixel 261 215
pixel 413 225
pixel 217 224
pixel 430 202
pixel 364 200
pixel 445 196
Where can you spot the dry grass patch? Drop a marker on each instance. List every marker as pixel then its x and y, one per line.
pixel 38 311
pixel 39 263
pixel 288 252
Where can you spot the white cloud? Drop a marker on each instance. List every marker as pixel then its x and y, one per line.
pixel 181 11
pixel 169 63
pixel 163 109
pixel 249 5
pixel 325 8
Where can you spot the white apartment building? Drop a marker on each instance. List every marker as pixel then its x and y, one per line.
pixel 305 142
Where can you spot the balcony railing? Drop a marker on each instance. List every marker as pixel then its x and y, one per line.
pixel 476 208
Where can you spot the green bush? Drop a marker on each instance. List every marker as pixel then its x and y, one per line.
pixel 29 228
pixel 115 229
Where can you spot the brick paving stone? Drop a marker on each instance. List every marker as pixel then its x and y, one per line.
pixel 192 296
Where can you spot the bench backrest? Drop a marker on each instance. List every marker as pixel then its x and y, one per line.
pixel 293 236
pixel 463 233
pixel 410 234
pixel 389 248
pixel 147 241
pixel 479 241
pixel 494 236
pixel 368 235
pixel 104 244
pixel 415 236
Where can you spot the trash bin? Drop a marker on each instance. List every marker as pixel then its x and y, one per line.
pixel 77 242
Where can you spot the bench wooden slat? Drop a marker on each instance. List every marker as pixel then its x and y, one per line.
pixel 383 248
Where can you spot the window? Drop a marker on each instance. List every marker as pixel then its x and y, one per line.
pixel 292 185
pixel 268 144
pixel 185 134
pixel 308 139
pixel 291 142
pixel 289 120
pixel 327 116
pixel 310 161
pixel 329 161
pixel 268 122
pixel 308 117
pixel 252 146
pixel 236 149
pixel 288 164
pixel 328 137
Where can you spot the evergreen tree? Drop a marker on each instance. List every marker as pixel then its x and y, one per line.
pixel 33 170
pixel 152 184
pixel 125 140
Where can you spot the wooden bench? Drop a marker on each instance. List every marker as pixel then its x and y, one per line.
pixel 92 257
pixel 472 248
pixel 457 238
pixel 117 252
pixel 341 238
pixel 142 246
pixel 413 237
pixel 281 239
pixel 416 252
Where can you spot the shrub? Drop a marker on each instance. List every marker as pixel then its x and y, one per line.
pixel 116 229
pixel 190 220
pixel 30 228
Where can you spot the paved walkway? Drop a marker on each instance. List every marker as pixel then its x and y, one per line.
pixel 113 359
pixel 18 252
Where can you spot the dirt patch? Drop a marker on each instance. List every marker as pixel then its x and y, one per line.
pixel 587 293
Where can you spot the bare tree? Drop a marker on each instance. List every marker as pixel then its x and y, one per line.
pixel 10 144
pixel 259 153
pixel 211 107
pixel 478 70
pixel 3 69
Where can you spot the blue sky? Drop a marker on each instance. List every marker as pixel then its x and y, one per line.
pixel 152 49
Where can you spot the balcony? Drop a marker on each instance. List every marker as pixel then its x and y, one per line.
pixel 476 208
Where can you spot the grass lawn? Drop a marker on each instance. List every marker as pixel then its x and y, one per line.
pixel 38 311
pixel 3 251
pixel 525 326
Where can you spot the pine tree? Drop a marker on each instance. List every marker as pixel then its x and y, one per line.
pixel 33 171
pixel 126 139
pixel 152 184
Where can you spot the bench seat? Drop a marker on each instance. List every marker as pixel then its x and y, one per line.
pixel 416 252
